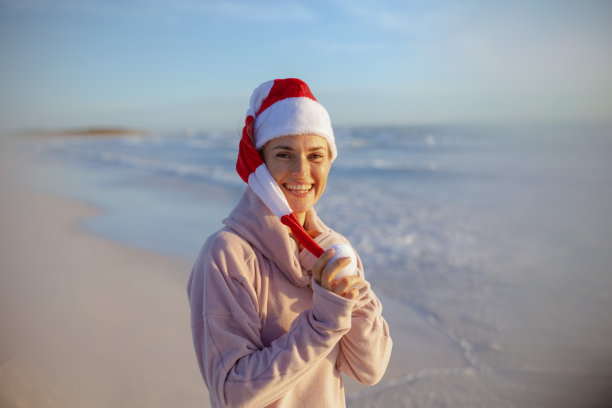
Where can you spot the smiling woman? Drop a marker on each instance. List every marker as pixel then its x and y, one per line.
pixel 272 325
pixel 299 164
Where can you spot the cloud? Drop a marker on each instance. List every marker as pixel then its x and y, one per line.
pixel 517 59
pixel 266 11
pixel 536 46
pixel 250 11
pixel 400 17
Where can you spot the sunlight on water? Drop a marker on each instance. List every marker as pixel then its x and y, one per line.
pixel 500 238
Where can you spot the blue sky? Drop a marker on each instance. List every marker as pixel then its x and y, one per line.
pixel 180 64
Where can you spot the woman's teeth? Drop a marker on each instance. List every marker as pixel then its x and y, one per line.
pixel 299 188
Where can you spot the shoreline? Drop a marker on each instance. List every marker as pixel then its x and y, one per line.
pixel 89 321
pixel 86 321
pixel 84 352
pixel 85 132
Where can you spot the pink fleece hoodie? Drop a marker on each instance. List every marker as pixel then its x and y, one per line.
pixel 265 333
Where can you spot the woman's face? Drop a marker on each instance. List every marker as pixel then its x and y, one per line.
pixel 299 164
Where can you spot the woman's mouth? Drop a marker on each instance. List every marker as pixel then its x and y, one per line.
pixel 299 189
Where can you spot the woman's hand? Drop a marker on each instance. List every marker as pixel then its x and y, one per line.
pixel 324 274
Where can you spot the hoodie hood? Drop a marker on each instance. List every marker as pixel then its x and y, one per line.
pixel 254 222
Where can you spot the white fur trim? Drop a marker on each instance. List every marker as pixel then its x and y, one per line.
pixel 294 116
pixel 259 94
pixel 264 186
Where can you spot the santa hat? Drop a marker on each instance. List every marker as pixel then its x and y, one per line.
pixel 280 108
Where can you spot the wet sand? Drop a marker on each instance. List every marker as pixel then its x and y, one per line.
pixel 85 321
pixel 90 322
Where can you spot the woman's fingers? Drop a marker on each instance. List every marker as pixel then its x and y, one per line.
pixel 346 287
pixel 325 272
pixel 313 233
pixel 329 272
pixel 320 264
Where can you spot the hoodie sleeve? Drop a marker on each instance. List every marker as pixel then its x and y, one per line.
pixel 366 348
pixel 238 370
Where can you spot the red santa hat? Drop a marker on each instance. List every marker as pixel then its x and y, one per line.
pixel 278 108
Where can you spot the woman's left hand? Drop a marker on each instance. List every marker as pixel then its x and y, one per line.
pixel 324 274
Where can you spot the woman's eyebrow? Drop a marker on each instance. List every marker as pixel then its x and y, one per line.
pixel 310 149
pixel 282 147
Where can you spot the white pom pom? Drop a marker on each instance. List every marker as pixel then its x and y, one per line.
pixel 345 251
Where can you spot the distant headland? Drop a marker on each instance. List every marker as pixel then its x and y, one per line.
pixel 86 132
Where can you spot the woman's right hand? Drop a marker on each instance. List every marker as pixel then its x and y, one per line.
pixel 324 273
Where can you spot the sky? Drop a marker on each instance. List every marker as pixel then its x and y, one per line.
pixel 187 64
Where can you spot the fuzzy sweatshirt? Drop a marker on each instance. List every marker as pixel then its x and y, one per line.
pixel 265 333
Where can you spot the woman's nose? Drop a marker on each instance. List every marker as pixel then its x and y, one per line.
pixel 301 167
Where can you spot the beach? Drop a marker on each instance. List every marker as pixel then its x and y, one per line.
pixel 90 322
pixel 484 307
pixel 86 321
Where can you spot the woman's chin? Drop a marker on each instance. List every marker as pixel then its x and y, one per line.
pixel 300 209
pixel 300 204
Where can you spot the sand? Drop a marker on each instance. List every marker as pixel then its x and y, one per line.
pixel 87 322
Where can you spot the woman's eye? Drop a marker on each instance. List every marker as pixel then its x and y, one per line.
pixel 316 156
pixel 282 155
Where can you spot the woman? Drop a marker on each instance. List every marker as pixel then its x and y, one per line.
pixel 272 327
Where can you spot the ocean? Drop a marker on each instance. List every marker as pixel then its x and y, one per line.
pixel 500 237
